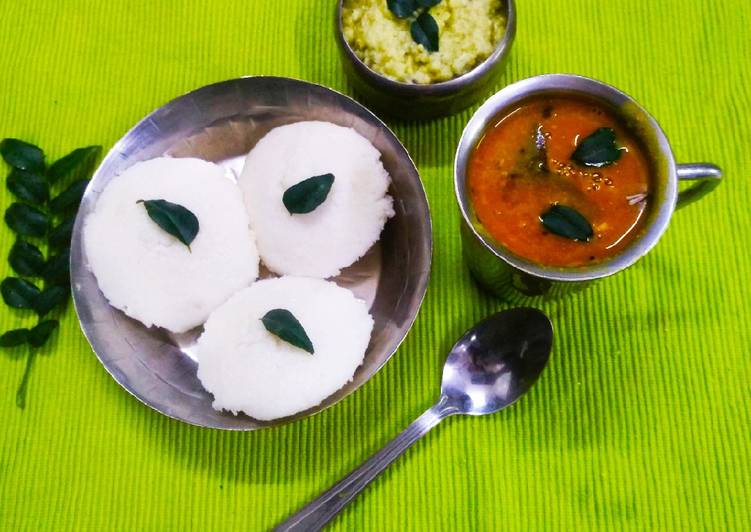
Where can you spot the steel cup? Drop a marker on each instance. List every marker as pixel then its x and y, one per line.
pixel 519 280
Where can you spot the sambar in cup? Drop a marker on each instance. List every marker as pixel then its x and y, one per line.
pixel 562 180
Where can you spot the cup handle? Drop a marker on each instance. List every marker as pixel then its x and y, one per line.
pixel 708 176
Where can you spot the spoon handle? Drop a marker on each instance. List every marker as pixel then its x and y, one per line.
pixel 320 511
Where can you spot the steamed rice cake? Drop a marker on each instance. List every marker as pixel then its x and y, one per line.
pixel 342 228
pixel 148 273
pixel 247 368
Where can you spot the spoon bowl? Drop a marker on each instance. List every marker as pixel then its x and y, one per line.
pixel 497 361
pixel 489 368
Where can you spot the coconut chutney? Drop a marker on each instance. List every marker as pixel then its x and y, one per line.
pixel 469 31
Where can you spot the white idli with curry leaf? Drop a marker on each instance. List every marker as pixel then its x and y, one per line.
pixel 282 346
pixel 317 198
pixel 169 241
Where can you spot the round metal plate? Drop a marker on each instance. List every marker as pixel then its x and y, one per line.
pixel 221 123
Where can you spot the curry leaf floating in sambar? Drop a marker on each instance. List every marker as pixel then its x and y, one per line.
pixel 567 222
pixel 598 149
pixel 173 218
pixel 282 323
pixel 424 30
pixel 308 194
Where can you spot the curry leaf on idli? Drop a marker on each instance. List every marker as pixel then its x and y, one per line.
pixel 50 298
pixel 308 194
pixel 282 323
pixel 22 155
pixel 28 186
pixel 27 220
pixel 77 164
pixel 173 218
pixel 19 293
pixel 69 199
pixel 26 259
pixel 39 334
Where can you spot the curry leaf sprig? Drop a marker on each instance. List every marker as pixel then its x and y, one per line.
pixel 42 218
pixel 423 27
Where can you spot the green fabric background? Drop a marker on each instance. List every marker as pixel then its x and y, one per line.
pixel 642 420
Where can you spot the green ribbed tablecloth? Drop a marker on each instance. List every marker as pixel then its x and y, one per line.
pixel 642 420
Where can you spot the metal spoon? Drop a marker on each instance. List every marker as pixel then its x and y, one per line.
pixel 490 367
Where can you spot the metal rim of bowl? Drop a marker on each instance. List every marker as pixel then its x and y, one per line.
pixel 587 87
pixel 443 87
pixel 77 266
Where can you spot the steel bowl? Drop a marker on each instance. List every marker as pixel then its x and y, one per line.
pixel 221 123
pixel 420 101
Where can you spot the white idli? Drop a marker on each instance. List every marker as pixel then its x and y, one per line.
pixel 246 368
pixel 344 226
pixel 148 273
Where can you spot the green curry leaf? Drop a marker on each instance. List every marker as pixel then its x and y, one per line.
pixel 70 198
pixel 567 222
pixel 57 268
pixel 26 259
pixel 282 323
pixel 308 194
pixel 27 220
pixel 598 149
pixel 402 8
pixel 78 164
pixel 50 298
pixel 19 293
pixel 41 332
pixel 14 338
pixel 424 31
pixel 60 235
pixel 22 155
pixel 28 186
pixel 428 3
pixel 173 218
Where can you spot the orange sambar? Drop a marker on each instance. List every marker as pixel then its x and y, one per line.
pixel 512 181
